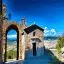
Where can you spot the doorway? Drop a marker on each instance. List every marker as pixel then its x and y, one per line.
pixel 34 49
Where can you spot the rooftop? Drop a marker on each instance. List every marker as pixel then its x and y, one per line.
pixel 33 27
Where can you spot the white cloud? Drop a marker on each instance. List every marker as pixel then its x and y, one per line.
pixel 46 31
pixel 45 27
pixel 59 34
pixel 53 32
pixel 12 36
pixel 49 32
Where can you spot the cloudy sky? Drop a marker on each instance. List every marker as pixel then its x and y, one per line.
pixel 48 14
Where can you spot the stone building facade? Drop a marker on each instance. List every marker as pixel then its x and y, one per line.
pixel 29 39
pixel 34 45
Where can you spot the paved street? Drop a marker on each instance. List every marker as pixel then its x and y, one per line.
pixel 45 59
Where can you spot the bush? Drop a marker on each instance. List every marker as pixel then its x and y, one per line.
pixel 60 44
pixel 11 54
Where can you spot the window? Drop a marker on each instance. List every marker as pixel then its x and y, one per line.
pixel 33 33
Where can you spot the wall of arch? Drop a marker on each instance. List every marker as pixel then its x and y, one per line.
pixel 6 27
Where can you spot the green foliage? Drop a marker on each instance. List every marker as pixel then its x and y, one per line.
pixel 11 54
pixel 60 44
pixel 55 61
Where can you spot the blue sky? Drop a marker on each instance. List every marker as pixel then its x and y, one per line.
pixel 48 14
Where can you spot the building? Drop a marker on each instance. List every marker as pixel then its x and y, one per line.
pixel 34 45
pixel 29 39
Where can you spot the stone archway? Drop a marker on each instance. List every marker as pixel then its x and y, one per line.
pixel 12 26
pixel 20 49
pixel 5 26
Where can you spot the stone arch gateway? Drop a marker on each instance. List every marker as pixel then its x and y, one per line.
pixel 12 26
pixel 18 28
pixel 5 26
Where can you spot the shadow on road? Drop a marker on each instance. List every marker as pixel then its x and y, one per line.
pixel 47 58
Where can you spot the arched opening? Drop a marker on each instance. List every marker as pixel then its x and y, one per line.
pixel 11 48
pixel 11 45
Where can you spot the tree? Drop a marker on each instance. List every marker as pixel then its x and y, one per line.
pixel 60 44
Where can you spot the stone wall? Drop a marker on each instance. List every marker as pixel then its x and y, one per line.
pixel 17 27
pixel 1 33
pixel 39 34
pixel 4 27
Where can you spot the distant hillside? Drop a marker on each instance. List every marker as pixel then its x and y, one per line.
pixel 12 40
pixel 50 38
pixel 45 38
